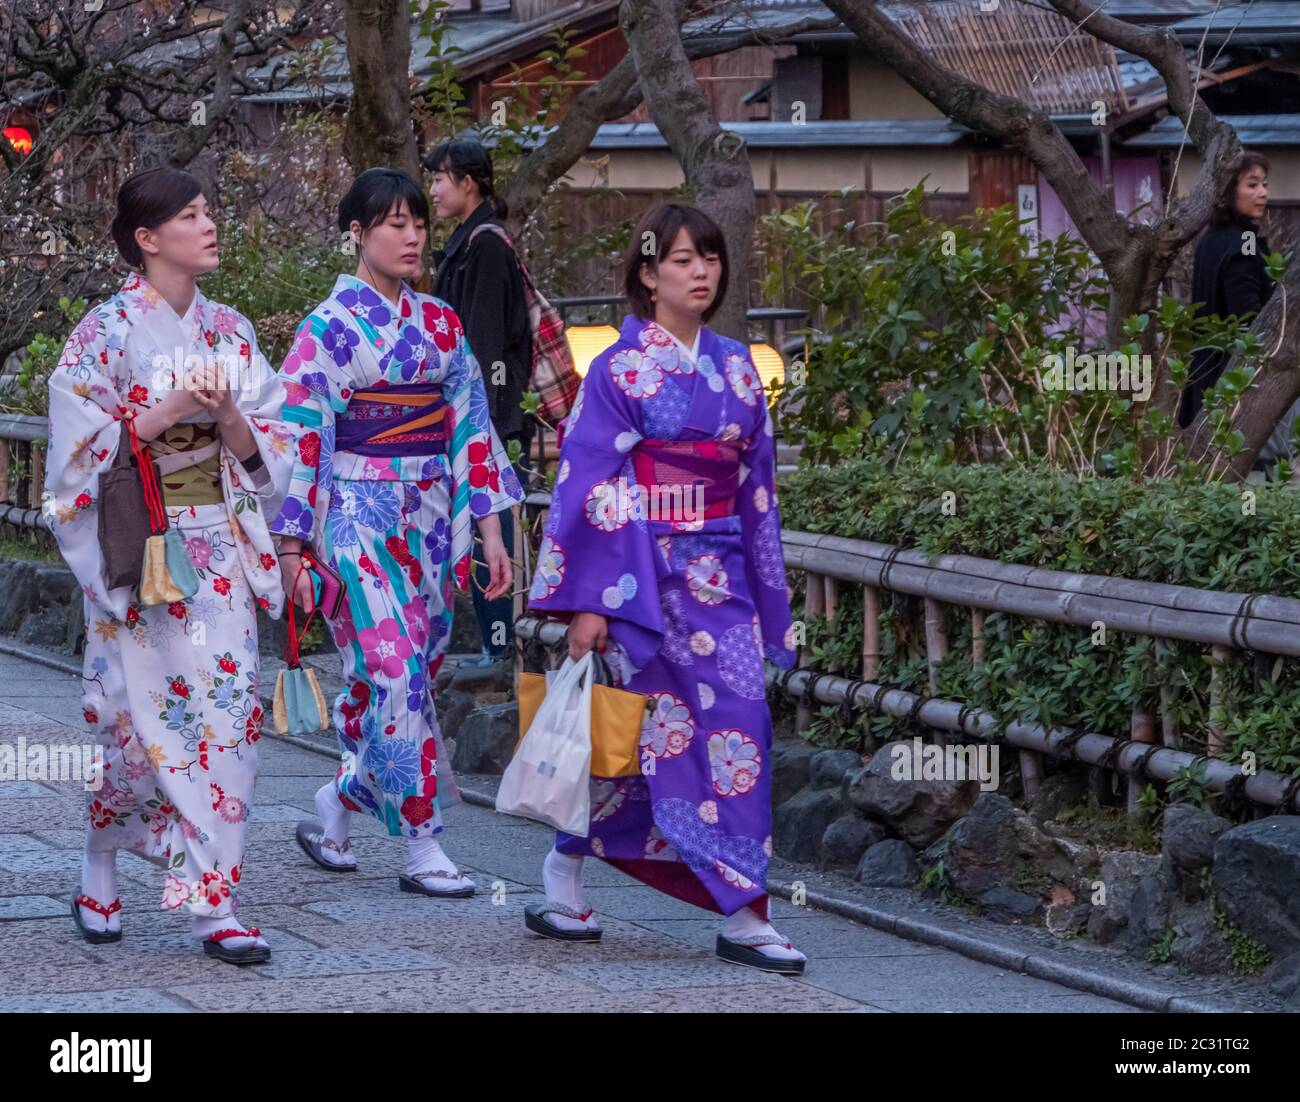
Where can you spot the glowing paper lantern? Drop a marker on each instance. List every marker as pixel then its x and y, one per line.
pixel 771 368
pixel 19 137
pixel 586 342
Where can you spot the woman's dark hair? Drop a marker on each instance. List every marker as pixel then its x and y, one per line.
pixel 465 157
pixel 375 193
pixel 1225 209
pixel 660 227
pixel 149 199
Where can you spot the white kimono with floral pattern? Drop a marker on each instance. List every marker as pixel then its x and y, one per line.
pixel 171 690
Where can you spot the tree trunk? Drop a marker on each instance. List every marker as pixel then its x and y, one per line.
pixel 379 130
pixel 715 161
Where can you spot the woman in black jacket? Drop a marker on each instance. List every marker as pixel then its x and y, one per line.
pixel 478 276
pixel 1228 274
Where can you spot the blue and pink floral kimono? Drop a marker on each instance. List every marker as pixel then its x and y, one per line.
pixel 664 519
pixel 396 457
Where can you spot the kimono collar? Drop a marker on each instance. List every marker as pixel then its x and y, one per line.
pixel 634 329
pixel 144 297
pixel 364 302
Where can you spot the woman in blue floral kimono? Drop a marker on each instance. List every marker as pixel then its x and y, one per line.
pixel 664 539
pixel 396 458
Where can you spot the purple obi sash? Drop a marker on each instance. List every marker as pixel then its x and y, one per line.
pixel 394 421
pixel 688 480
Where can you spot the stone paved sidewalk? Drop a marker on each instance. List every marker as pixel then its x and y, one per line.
pixel 352 942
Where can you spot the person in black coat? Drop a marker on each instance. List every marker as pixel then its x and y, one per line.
pixel 1228 273
pixel 481 281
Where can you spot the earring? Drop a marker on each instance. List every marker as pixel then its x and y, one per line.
pixel 654 296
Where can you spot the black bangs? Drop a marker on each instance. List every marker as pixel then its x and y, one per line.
pixel 375 193
pixel 660 227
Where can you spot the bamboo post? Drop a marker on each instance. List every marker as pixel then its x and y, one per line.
pixel 936 649
pixel 6 456
pixel 1142 728
pixel 1169 734
pixel 1214 732
pixel 814 605
pixel 977 636
pixel 870 632
pixel 37 492
pixel 831 595
pixel 936 641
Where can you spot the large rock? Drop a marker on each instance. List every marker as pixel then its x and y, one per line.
pixel 920 811
pixel 1121 873
pixel 19 593
pixel 46 627
pixel 55 585
pixel 452 706
pixel 998 845
pixel 1198 946
pixel 828 768
pixel 1257 880
pixel 485 742
pixel 982 847
pixel 791 764
pixel 888 864
pixel 846 839
pixel 1060 790
pixel 1189 835
pixel 465 635
pixel 1151 908
pixel 1008 905
pixel 799 824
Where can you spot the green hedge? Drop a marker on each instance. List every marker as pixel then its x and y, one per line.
pixel 1213 536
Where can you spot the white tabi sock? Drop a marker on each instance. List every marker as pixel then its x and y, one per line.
pixel 562 879
pixel 99 881
pixel 204 926
pixel 745 924
pixel 334 824
pixel 426 855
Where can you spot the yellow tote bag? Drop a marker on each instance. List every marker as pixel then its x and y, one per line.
pixel 616 717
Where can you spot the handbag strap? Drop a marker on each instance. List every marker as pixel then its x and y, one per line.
pixel 148 479
pixel 292 647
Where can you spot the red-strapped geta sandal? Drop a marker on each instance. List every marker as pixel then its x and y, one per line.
pixel 95 937
pixel 252 954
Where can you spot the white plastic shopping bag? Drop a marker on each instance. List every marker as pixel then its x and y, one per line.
pixel 548 779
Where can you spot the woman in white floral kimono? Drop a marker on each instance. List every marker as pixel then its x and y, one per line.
pixel 171 689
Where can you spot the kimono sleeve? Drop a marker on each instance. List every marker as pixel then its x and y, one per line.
pixel 761 528
pixel 598 554
pixel 85 432
pixel 313 386
pixel 483 478
pixel 262 401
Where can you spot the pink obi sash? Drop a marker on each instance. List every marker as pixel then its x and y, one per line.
pixel 688 480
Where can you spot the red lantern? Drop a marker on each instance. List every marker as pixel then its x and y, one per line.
pixel 19 137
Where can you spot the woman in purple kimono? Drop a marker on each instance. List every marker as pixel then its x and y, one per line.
pixel 663 541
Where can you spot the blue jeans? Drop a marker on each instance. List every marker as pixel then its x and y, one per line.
pixel 501 610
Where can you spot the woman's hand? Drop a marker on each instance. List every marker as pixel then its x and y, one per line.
pixel 587 630
pixel 156 420
pixel 296 582
pixel 500 569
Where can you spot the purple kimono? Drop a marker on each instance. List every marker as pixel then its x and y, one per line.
pixel 664 520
